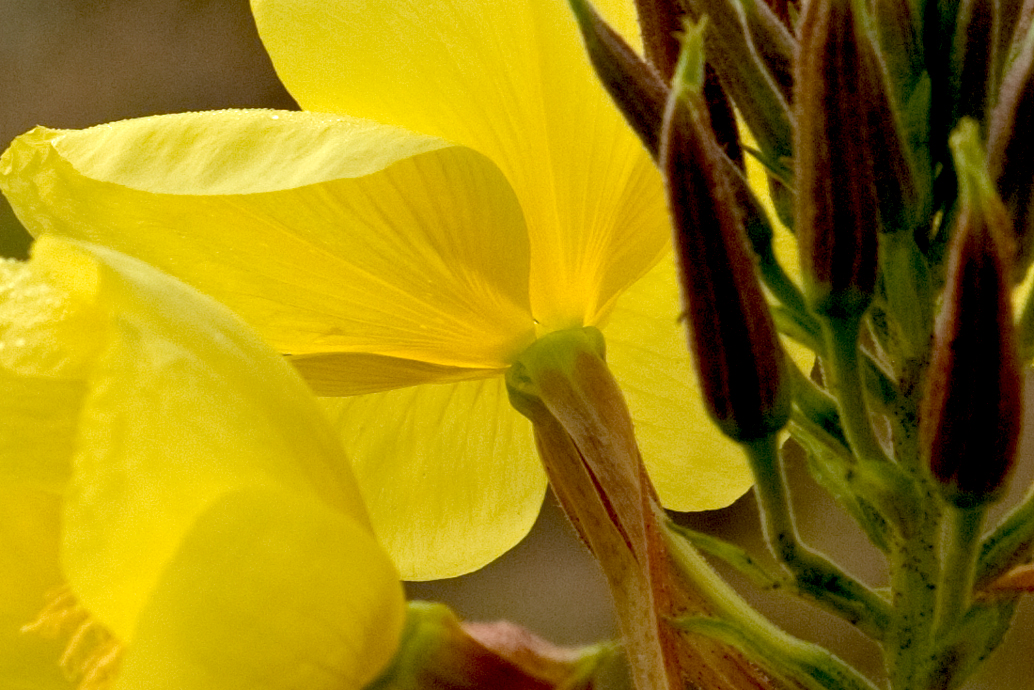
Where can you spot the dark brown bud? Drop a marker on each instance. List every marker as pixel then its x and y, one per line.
pixel 1013 27
pixel 837 201
pixel 971 412
pixel 723 117
pixel 751 51
pixel 660 22
pixel 972 57
pixel 636 88
pixel 781 9
pixel 740 363
pixel 1010 150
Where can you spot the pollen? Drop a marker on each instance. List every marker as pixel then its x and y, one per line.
pixel 92 654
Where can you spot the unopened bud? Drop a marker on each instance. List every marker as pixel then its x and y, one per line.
pixel 751 52
pixel 660 21
pixel 723 118
pixel 837 202
pixel 740 364
pixel 781 9
pixel 636 88
pixel 973 57
pixel 1010 150
pixel 971 412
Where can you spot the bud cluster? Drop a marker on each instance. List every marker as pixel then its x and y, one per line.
pixel 852 105
pixel 895 138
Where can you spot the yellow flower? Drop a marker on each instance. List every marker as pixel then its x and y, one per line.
pixel 175 511
pixel 491 194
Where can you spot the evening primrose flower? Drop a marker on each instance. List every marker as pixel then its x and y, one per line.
pixel 491 194
pixel 165 479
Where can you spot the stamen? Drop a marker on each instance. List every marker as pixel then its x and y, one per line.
pixel 92 653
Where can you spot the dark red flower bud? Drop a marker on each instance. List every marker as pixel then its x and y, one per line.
pixel 1010 151
pixel 971 412
pixel 660 22
pixel 636 88
pixel 752 52
pixel 740 363
pixel 837 201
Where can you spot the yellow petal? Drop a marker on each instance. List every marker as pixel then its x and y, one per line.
pixel 449 473
pixel 233 151
pixel 509 78
pixel 41 389
pixel 356 373
pixel 425 259
pixel 38 421
pixel 693 466
pixel 268 591
pixel 184 404
pixel 29 525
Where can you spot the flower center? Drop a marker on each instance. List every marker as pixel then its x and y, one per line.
pixel 92 654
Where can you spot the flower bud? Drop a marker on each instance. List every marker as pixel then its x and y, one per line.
pixel 971 411
pixel 722 117
pixel 740 364
pixel 837 202
pixel 660 22
pixel 973 57
pixel 636 88
pixel 1010 150
pixel 751 52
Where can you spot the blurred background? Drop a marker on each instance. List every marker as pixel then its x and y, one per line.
pixel 76 63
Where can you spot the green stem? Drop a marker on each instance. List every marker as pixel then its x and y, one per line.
pixel 817 406
pixel 848 388
pixel 908 646
pixel 816 577
pixel 789 323
pixel 957 575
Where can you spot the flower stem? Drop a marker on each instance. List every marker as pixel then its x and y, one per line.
pixel 815 576
pixel 957 575
pixel 847 386
pixel 908 644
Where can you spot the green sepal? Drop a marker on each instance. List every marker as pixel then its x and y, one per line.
pixel 899 26
pixel 773 40
pixel 782 200
pixel 1010 544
